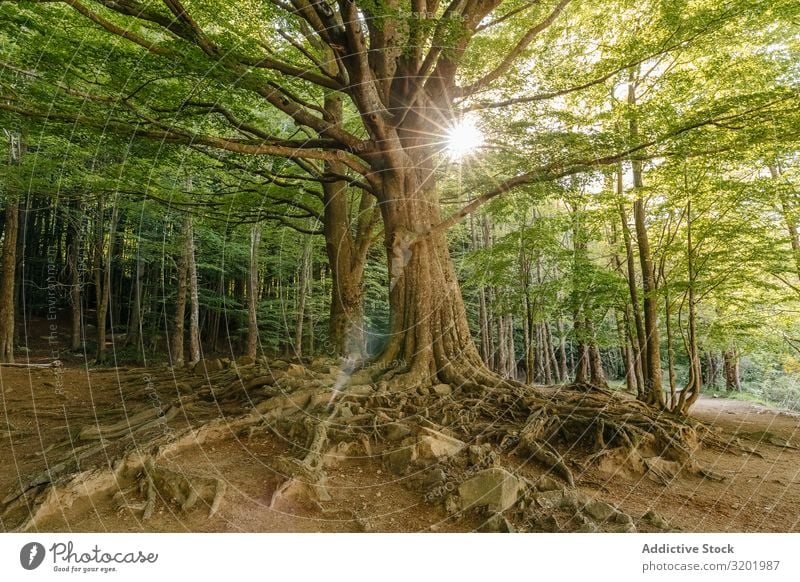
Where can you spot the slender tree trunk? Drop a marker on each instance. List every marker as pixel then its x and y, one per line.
pixel 626 351
pixel 103 279
pixel 74 248
pixel 691 392
pixel 670 349
pixel 563 364
pixel 8 281
pixel 712 369
pixel 653 389
pixel 194 313
pixel 302 292
pixel 134 336
pixel 177 349
pixel 252 293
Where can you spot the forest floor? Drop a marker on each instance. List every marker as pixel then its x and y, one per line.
pixel 44 408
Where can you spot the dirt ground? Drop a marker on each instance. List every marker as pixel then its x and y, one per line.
pixel 41 407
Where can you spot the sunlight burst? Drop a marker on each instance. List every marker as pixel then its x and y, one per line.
pixel 463 139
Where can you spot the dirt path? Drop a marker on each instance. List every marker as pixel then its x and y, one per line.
pixel 43 407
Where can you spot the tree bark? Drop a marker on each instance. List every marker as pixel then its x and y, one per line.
pixel 653 393
pixel 194 313
pixel 8 282
pixel 730 362
pixel 252 293
pixel 691 392
pixel 177 348
pixel 74 248
pixel 302 293
pixel 103 278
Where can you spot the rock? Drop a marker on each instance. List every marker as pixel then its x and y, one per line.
pixel 496 488
pixel 398 460
pixel 434 445
pixel 478 454
pixel 496 524
pixel 622 518
pixel 549 499
pixel 442 389
pixel 245 361
pixel 183 388
pixel 599 510
pixel 208 366
pixel 626 528
pixel 435 476
pixel 547 483
pixel 587 528
pixel 278 365
pixel 345 412
pixel 655 520
pixel 295 371
pixel 423 391
pixel 451 504
pixel 397 432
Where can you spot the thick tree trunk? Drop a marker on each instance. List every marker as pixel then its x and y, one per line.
pixel 252 293
pixel 177 350
pixel 430 336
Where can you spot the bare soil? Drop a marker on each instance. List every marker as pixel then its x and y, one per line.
pixel 41 407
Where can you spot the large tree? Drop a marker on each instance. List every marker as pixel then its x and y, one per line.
pixel 205 73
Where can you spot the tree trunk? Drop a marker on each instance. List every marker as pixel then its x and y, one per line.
pixel 712 369
pixel 194 313
pixel 653 393
pixel 730 362
pixel 430 335
pixel 103 278
pixel 563 364
pixel 252 293
pixel 134 336
pixel 302 293
pixel 670 349
pixel 74 248
pixel 691 392
pixel 177 351
pixel 8 282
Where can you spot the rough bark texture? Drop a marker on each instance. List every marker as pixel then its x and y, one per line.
pixel 730 363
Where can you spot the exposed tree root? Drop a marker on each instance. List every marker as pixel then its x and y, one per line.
pixel 447 433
